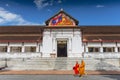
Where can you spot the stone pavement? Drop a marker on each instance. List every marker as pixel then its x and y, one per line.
pixel 54 72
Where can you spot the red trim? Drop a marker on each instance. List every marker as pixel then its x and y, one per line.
pixel 102 41
pixel 19 41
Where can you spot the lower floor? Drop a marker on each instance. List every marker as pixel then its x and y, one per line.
pixel 60 49
pixel 19 47
pixel 101 47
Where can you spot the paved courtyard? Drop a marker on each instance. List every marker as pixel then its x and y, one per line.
pixel 59 77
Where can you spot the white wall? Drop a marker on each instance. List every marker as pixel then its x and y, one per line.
pixel 104 44
pixel 3 44
pixel 73 37
pixel 76 45
pixel 94 44
pixel 118 44
pixel 47 43
pixel 15 44
pixel 109 44
pixel 30 44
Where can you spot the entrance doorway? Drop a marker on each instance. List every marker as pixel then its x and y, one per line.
pixel 62 48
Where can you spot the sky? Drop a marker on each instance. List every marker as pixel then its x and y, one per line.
pixel 36 12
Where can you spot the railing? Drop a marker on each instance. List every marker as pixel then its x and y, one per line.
pixel 20 55
pixel 39 54
pixel 101 55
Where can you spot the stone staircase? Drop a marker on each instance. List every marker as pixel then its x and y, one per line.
pixel 60 64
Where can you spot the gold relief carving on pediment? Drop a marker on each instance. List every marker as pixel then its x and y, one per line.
pixel 61 20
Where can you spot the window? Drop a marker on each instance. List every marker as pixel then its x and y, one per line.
pixel 93 49
pixel 3 48
pixel 108 49
pixel 30 49
pixel 118 49
pixel 15 49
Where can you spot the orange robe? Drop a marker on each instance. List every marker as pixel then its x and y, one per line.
pixel 75 68
pixel 82 68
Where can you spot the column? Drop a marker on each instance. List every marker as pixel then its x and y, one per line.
pixel 86 49
pixel 8 47
pixel 37 48
pixel 41 47
pixel 101 48
pixel 116 48
pixel 84 46
pixel 23 47
pixel 70 45
pixel 53 45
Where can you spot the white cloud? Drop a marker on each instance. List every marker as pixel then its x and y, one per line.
pixel 11 18
pixel 59 1
pixel 41 3
pixel 100 6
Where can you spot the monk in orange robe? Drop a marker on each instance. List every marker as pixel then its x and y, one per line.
pixel 76 68
pixel 82 68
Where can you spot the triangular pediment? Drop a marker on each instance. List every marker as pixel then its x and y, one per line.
pixel 61 19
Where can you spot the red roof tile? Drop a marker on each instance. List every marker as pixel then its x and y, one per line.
pixel 20 39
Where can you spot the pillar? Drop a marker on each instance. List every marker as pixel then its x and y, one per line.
pixel 70 45
pixel 84 46
pixel 86 49
pixel 23 47
pixel 101 49
pixel 53 45
pixel 8 47
pixel 37 47
pixel 116 48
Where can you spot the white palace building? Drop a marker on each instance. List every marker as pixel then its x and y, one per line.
pixel 60 37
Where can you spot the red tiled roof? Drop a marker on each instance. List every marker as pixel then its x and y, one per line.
pixel 101 39
pixel 20 39
pixel 100 29
pixel 100 33
pixel 21 29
